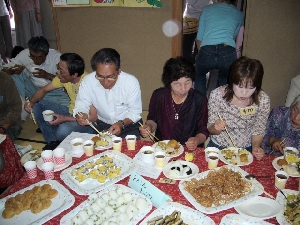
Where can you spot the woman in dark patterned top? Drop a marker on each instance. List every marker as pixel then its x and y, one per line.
pixel 283 128
pixel 177 111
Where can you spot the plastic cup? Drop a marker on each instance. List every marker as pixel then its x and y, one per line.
pixel 77 145
pixel 59 156
pixel 34 69
pixel 281 178
pixel 31 169
pixel 209 150
pixel 47 156
pixel 48 169
pixel 160 159
pixel 117 143
pixel 212 159
pixel 131 141
pixel 147 153
pixel 88 147
pixel 48 115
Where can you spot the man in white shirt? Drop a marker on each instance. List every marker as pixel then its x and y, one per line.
pixel 116 96
pixel 34 68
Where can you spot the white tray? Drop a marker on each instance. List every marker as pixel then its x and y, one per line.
pixel 280 198
pixel 210 210
pixel 90 186
pixel 66 219
pixel 63 201
pixel 189 215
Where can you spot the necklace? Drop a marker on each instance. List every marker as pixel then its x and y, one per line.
pixel 176 112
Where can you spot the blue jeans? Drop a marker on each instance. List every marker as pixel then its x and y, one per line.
pixel 211 57
pixel 56 132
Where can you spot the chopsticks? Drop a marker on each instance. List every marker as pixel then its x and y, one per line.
pixel 92 126
pixel 227 132
pixel 31 113
pixel 266 193
pixel 151 136
pixel 281 143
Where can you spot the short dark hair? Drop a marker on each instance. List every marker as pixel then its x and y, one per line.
pixel 39 44
pixel 176 68
pixel 75 63
pixel 16 50
pixel 106 56
pixel 245 70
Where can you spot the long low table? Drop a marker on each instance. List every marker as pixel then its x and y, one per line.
pixel 258 168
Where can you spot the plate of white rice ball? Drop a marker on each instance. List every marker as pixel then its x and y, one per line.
pixel 180 170
pixel 116 205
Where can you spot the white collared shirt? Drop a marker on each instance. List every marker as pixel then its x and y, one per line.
pixel 122 101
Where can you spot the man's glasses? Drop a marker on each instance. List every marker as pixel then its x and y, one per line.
pixel 109 78
pixel 60 70
pixel 37 58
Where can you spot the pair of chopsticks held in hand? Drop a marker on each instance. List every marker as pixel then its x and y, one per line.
pixel 151 136
pixel 31 113
pixel 227 132
pixel 282 143
pixel 92 126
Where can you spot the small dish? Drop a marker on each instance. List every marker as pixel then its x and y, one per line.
pixel 68 161
pixel 194 168
pixel 277 167
pixel 210 149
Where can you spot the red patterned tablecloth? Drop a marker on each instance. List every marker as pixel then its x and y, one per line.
pixel 258 168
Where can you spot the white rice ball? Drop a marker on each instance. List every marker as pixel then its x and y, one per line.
pixel 83 214
pixel 174 173
pixel 121 200
pixel 120 191
pixel 113 219
pixel 141 204
pixel 101 202
pixel 113 203
pixel 92 198
pixel 109 210
pixel 123 218
pixel 122 208
pixel 89 222
pixel 186 170
pixel 105 223
pixel 95 218
pixel 89 211
pixel 76 220
pixel 106 197
pixel 112 223
pixel 103 215
pixel 132 209
pixel 113 194
pixel 127 197
pixel 95 207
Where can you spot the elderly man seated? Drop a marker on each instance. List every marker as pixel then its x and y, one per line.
pixel 34 68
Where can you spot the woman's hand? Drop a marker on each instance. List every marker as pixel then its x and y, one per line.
pixel 192 143
pixel 143 130
pixel 277 144
pixel 258 152
pixel 220 125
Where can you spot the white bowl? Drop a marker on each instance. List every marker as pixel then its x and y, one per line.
pixel 210 149
pixel 147 153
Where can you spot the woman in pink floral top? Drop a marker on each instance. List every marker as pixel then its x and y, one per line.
pixel 243 108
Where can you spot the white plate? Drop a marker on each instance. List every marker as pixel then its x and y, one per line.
pixel 209 210
pixel 66 219
pixel 250 157
pixel 275 165
pixel 259 208
pixel 194 168
pixel 101 148
pixel 189 215
pixel 90 186
pixel 234 219
pixel 63 201
pixel 181 149
pixel 68 161
pixel 28 157
pixel 280 198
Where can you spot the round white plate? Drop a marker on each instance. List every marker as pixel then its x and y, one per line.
pixel 68 161
pixel 234 219
pixel 101 148
pixel 275 165
pixel 194 168
pixel 181 149
pixel 29 156
pixel 280 198
pixel 259 208
pixel 250 157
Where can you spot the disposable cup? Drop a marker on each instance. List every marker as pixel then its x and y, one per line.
pixel 147 153
pixel 209 150
pixel 212 159
pixel 48 169
pixel 48 115
pixel 131 141
pixel 31 169
pixel 59 156
pixel 34 69
pixel 117 143
pixel 88 147
pixel 281 178
pixel 77 145
pixel 47 156
pixel 160 159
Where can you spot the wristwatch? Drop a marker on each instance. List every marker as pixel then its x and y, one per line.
pixel 123 124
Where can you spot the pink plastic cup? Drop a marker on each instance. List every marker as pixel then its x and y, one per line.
pixel 47 156
pixel 31 169
pixel 59 156
pixel 48 169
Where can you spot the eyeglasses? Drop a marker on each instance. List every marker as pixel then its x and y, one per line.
pixel 37 58
pixel 109 78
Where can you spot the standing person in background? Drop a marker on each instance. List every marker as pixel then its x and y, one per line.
pixel 6 45
pixel 218 28
pixel 27 19
pixel 191 15
pixel 294 91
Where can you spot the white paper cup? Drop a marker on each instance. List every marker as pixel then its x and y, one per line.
pixel 47 155
pixel 160 159
pixel 88 147
pixel 34 69
pixel 209 150
pixel 48 115
pixel 147 153
pixel 117 143
pixel 59 156
pixel 212 159
pixel 31 169
pixel 48 169
pixel 281 178
pixel 131 141
pixel 77 145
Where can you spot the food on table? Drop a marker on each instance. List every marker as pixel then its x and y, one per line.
pixel 177 169
pixel 292 213
pixel 235 156
pixel 218 187
pixel 281 162
pixel 77 143
pixel 189 156
pixel 174 218
pixel 102 142
pixel 290 169
pixel 100 169
pixel 114 207
pixel 291 159
pixel 36 200
pixel 95 139
pixel 171 148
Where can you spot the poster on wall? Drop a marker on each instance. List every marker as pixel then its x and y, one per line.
pixel 118 3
